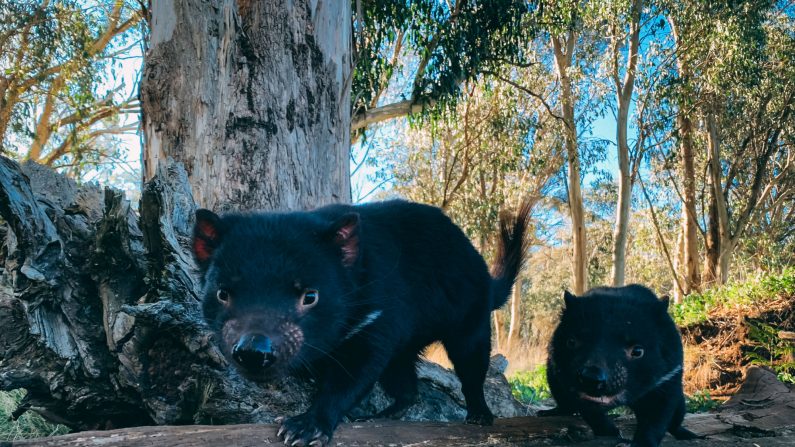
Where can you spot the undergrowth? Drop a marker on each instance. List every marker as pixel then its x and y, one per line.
pixel 770 350
pixel 700 402
pixel 29 425
pixel 695 308
pixel 765 346
pixel 530 387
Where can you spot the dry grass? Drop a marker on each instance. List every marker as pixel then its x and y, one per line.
pixel 522 356
pixel 29 425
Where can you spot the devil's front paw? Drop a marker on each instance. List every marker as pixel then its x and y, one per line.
pixel 484 418
pixel 303 430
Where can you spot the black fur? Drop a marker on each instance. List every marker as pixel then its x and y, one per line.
pixel 404 263
pixel 593 362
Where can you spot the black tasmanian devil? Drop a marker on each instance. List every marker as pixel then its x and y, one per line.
pixel 618 346
pixel 356 293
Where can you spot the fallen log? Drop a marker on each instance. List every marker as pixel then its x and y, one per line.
pixel 101 318
pixel 513 431
pixel 764 410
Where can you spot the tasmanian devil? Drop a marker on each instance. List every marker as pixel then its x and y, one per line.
pixel 618 346
pixel 353 294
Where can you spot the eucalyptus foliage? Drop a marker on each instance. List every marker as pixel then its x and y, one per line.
pixel 449 44
pixel 59 92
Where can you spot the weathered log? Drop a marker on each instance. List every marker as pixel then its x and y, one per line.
pixel 514 431
pixel 101 318
pixel 764 410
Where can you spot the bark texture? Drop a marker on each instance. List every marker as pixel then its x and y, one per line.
pixel 102 323
pixel 690 257
pixel 253 98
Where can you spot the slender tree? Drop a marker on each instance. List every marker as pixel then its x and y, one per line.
pixel 624 89
pixel 563 47
pixel 688 248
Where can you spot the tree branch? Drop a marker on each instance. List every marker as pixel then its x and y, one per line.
pixel 527 91
pixel 387 112
pixel 660 238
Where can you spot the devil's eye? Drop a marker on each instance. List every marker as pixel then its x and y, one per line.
pixel 572 343
pixel 635 352
pixel 222 295
pixel 310 297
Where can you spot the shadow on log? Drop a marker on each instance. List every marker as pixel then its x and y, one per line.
pixel 102 323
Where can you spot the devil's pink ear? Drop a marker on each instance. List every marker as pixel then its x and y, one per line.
pixel 346 237
pixel 206 236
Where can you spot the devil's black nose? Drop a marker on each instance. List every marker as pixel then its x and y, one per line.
pixel 593 378
pixel 254 352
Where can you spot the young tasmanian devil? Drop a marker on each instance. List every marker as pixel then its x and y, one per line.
pixel 354 294
pixel 618 346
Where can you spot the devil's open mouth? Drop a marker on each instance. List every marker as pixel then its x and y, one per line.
pixel 615 399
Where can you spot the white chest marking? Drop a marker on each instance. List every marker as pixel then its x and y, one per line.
pixel 668 376
pixel 368 320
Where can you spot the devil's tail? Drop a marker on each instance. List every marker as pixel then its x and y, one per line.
pixel 511 252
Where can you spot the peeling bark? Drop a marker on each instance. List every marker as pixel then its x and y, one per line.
pixel 253 98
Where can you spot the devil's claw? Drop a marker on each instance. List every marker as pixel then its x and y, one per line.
pixel 303 430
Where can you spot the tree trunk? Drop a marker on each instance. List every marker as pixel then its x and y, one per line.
pixel 689 224
pixel 621 228
pixel 497 330
pixel 516 300
pixel 718 244
pixel 624 91
pixel 253 97
pixel 687 154
pixel 678 262
pixel 712 246
pixel 563 60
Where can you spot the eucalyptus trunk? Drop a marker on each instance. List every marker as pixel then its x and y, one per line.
pixel 689 225
pixel 252 97
pixel 516 300
pixel 564 54
pixel 719 243
pixel 690 257
pixel 624 91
